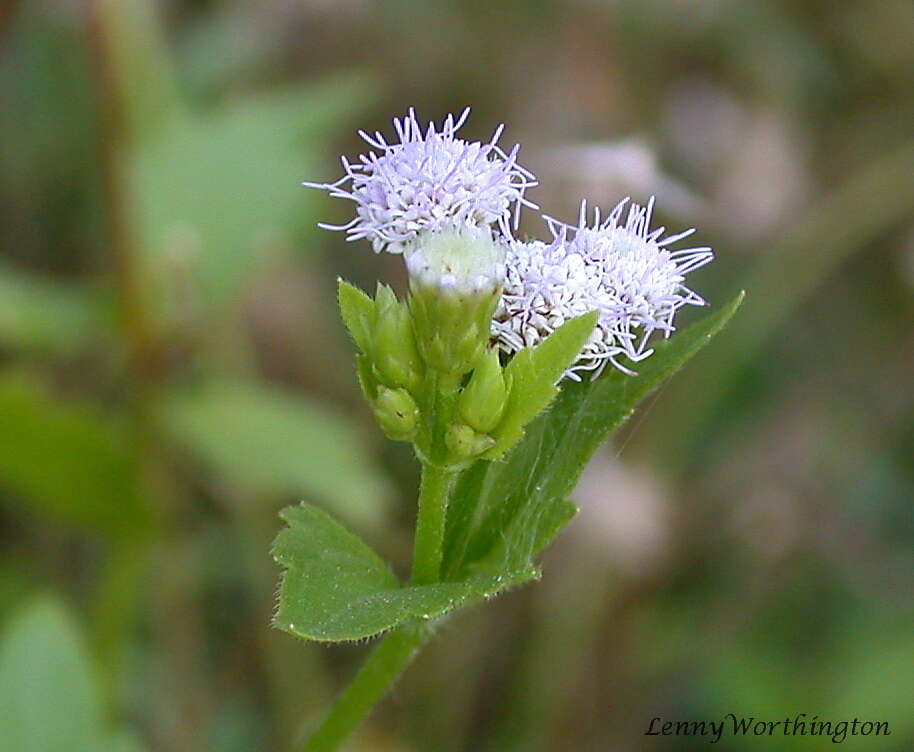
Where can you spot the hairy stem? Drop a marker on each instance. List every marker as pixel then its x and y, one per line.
pixel 394 652
pixel 385 664
pixel 434 492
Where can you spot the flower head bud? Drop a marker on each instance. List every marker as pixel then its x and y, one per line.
pixel 455 279
pixel 482 402
pixel 465 443
pixel 397 413
pixel 393 347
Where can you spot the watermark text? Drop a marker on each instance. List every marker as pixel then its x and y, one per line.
pixel 799 725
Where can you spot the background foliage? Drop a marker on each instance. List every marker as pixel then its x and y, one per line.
pixel 172 372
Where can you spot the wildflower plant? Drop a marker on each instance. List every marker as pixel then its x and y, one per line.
pixel 505 366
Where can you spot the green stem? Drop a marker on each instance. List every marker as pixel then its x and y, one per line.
pixel 394 652
pixel 434 492
pixel 378 673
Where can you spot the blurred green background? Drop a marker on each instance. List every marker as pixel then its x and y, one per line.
pixel 172 371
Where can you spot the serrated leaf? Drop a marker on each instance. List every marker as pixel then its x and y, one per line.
pixel 498 509
pixel 282 443
pixel 48 695
pixel 67 461
pixel 357 311
pixel 533 374
pixel 335 588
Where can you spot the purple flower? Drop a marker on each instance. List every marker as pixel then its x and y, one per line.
pixel 624 270
pixel 428 182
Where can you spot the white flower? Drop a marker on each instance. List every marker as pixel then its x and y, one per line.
pixel 429 181
pixel 623 270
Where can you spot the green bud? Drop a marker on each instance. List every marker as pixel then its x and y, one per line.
pixel 455 279
pixel 483 400
pixel 397 413
pixel 464 443
pixel 395 358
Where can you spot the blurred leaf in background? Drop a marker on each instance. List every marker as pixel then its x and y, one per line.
pixel 48 692
pixel 281 443
pixel 45 315
pixel 67 462
pixel 216 193
pixel 48 168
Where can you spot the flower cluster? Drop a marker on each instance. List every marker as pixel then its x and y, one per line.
pixel 440 200
pixel 429 181
pixel 622 269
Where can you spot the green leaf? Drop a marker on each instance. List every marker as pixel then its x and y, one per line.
pixel 123 741
pixel 335 588
pixel 47 691
pixel 282 443
pixel 533 374
pixel 67 461
pixel 215 192
pixel 37 314
pixel 872 674
pixel 47 118
pixel 502 513
pixel 357 310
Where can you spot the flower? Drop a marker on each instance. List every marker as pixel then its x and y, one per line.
pixel 624 270
pixel 429 181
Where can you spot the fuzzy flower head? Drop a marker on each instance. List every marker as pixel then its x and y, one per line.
pixel 430 180
pixel 620 268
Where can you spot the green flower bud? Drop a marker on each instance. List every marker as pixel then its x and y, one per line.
pixel 464 443
pixel 482 402
pixel 395 358
pixel 397 413
pixel 455 279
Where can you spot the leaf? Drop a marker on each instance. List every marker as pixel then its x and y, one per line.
pixel 123 741
pixel 37 314
pixel 533 374
pixel 502 512
pixel 357 310
pixel 47 117
pixel 48 695
pixel 214 192
pixel 872 674
pixel 335 588
pixel 67 461
pixel 282 443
